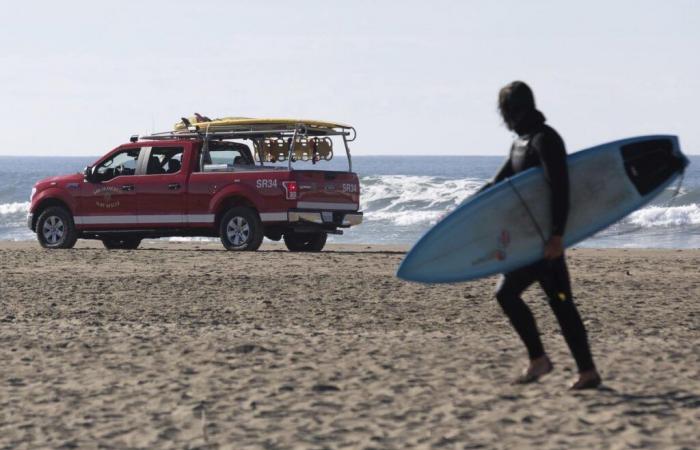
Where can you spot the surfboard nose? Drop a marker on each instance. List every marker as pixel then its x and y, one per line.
pixel 413 268
pixel 406 272
pixel 651 162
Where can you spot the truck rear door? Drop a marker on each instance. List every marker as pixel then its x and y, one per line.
pixel 162 186
pixel 326 190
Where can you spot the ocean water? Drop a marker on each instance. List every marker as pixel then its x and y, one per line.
pixel 403 196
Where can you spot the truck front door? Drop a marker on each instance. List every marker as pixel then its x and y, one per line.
pixel 108 201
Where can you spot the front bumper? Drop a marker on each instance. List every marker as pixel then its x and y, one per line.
pixel 30 221
pixel 336 218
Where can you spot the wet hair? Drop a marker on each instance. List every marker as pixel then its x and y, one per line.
pixel 515 100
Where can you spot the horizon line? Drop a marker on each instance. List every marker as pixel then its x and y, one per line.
pixel 361 155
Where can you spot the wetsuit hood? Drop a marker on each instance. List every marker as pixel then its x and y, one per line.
pixel 529 122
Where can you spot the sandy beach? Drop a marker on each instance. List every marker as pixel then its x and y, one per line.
pixel 185 345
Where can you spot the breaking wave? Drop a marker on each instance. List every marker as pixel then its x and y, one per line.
pixel 13 208
pixel 13 213
pixel 416 200
pixel 412 200
pixel 13 220
pixel 659 216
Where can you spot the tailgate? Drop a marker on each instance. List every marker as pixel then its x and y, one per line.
pixel 327 190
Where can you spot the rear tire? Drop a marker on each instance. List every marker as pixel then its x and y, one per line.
pixel 305 242
pixel 122 243
pixel 241 229
pixel 55 228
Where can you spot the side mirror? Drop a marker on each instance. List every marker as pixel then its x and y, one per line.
pixel 88 172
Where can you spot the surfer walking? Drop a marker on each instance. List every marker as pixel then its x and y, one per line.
pixel 538 144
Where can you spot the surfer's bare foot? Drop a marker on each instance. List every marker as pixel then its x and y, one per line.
pixel 590 379
pixel 538 368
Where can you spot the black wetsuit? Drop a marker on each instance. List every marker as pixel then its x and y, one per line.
pixel 540 145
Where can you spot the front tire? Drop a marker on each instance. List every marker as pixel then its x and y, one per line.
pixel 305 242
pixel 241 229
pixel 55 228
pixel 121 243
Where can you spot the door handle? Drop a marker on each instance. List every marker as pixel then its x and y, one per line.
pixel 127 187
pixel 174 186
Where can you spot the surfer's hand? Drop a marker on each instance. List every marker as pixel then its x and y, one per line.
pixel 554 248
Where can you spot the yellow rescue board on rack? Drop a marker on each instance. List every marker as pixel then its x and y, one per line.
pixel 247 123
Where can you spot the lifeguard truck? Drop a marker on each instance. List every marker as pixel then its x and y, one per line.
pixel 235 178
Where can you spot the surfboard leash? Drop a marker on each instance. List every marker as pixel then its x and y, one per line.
pixel 678 189
pixel 529 213
pixel 552 274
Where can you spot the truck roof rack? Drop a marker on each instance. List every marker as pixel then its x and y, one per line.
pixel 249 134
pixel 194 132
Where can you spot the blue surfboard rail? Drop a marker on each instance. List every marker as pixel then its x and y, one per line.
pixel 571 237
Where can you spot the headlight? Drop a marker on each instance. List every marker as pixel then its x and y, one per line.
pixel 31 196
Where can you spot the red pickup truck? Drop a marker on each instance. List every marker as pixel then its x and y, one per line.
pixel 231 178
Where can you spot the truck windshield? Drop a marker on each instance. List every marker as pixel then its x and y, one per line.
pixel 119 164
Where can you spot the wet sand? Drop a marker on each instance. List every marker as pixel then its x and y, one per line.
pixel 184 345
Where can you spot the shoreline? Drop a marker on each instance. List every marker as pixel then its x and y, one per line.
pixel 279 246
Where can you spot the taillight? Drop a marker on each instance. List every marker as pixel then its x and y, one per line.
pixel 290 189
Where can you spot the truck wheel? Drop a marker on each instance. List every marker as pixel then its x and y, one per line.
pixel 55 228
pixel 241 229
pixel 305 242
pixel 121 243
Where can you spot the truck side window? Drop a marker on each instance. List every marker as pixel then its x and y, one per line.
pixel 229 156
pixel 222 156
pixel 164 160
pixel 119 164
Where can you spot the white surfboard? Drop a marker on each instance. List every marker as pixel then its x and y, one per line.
pixel 503 227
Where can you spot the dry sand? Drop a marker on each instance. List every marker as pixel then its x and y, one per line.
pixel 188 346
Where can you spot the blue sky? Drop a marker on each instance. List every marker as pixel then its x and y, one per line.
pixel 79 77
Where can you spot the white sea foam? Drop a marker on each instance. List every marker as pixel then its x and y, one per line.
pixel 422 201
pixel 14 208
pixel 412 200
pixel 659 216
pixel 406 218
pixel 13 219
pixel 191 239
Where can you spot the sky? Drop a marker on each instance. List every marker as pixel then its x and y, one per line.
pixel 414 78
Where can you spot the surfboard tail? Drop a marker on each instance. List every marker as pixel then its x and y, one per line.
pixel 650 163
